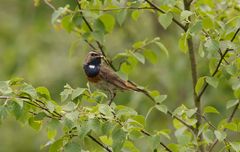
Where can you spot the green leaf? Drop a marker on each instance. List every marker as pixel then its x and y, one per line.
pixel 199 85
pixel 185 15
pixel 70 106
pixel 66 92
pixel 121 16
pixel 29 90
pixel 162 47
pixel 35 124
pixel 232 103
pixel 208 136
pixel 118 137
pixel 139 57
pixel 210 109
pixel 235 146
pixel 220 135
pixel 159 99
pixel 130 146
pixel 165 20
pixel 5 88
pixel 51 133
pixel 151 56
pixel 135 15
pixel 182 43
pixel 67 23
pixel 77 20
pixel 201 50
pixel 57 13
pixel 162 108
pixel 99 26
pixel 211 45
pixel 73 116
pixel 56 146
pixel 139 44
pixel 72 147
pixel 196 28
pixel 94 124
pixel 78 92
pixel 98 36
pixel 108 21
pixel 106 110
pixel 212 81
pixel 43 92
pixel 83 130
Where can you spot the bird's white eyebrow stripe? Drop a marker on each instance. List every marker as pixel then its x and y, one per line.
pixel 91 66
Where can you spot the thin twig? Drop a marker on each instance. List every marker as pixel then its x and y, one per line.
pixel 117 9
pixel 218 65
pixel 161 143
pixel 162 11
pixel 99 143
pixel 230 118
pixel 180 120
pixel 49 4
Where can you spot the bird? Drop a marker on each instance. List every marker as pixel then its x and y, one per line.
pixel 105 78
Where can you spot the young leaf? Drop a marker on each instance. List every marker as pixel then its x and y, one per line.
pixel 108 21
pixel 232 103
pixel 220 135
pixel 212 81
pixel 182 43
pixel 77 92
pixel 162 47
pixel 121 16
pixel 199 85
pixel 135 15
pixel 139 57
pixel 162 108
pixel 185 15
pixel 210 109
pixel 43 92
pixel 118 137
pixel 165 20
pixel 235 146
pixel 72 147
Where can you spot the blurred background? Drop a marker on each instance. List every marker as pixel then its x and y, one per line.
pixel 32 49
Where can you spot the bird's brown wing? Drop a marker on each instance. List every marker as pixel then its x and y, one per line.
pixel 111 77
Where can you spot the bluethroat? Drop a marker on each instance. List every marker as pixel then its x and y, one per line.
pixel 100 74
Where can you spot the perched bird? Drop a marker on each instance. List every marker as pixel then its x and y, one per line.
pixel 105 78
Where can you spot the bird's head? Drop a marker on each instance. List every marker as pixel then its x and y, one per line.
pixel 93 58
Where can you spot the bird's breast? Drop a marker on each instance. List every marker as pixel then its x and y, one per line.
pixel 91 70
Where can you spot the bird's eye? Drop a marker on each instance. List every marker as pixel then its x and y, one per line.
pixel 93 54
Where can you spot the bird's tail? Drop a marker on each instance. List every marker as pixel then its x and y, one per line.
pixel 136 88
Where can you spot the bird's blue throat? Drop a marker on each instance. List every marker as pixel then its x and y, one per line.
pixel 92 68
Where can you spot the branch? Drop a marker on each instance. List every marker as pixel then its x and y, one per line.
pixel 218 65
pixel 230 118
pixel 148 134
pixel 54 114
pixel 162 11
pixel 180 120
pixel 91 29
pixel 117 9
pixel 99 143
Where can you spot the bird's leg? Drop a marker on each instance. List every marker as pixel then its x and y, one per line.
pixel 112 95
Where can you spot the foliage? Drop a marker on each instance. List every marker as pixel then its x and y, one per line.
pixel 83 120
